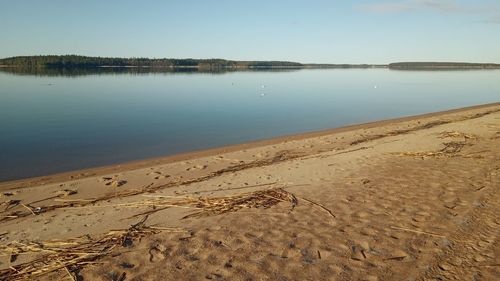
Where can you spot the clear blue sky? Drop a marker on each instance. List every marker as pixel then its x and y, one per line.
pixel 323 31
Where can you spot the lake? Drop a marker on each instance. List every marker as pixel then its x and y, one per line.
pixel 52 123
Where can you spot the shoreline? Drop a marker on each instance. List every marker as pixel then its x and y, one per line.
pixel 386 200
pixel 160 160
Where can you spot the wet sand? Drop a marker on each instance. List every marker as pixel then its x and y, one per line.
pixel 408 199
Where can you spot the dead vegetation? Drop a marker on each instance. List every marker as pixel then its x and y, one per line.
pixel 207 206
pixel 399 132
pixel 257 199
pixel 456 134
pixel 421 127
pixel 69 255
pixel 10 211
pixel 450 149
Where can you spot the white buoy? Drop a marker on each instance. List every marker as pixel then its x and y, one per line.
pixel 375 87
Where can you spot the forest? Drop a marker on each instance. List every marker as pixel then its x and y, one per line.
pixel 441 66
pixel 75 61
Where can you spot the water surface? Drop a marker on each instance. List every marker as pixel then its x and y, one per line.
pixel 53 123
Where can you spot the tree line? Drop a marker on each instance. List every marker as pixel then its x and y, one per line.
pixel 81 62
pixel 75 61
pixel 441 65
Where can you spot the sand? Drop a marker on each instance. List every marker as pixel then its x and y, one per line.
pixel 408 199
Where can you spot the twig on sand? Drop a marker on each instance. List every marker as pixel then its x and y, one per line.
pixel 481 187
pixel 28 209
pixel 69 273
pixel 147 213
pixel 321 156
pixel 487 265
pixel 241 187
pixel 74 200
pixel 418 231
pixel 319 205
pixel 170 229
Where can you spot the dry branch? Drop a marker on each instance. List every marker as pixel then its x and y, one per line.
pixel 71 254
pixel 330 213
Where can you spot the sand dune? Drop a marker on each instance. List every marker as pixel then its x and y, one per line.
pixel 412 199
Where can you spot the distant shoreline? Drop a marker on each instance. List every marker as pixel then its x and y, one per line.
pixel 305 66
pixel 28 69
pixel 84 62
pixel 441 65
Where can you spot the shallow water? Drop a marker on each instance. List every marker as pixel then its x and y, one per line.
pixel 57 123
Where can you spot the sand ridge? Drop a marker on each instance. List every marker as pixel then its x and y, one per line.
pixel 412 200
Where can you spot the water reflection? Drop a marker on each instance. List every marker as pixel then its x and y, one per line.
pixel 54 120
pixel 73 72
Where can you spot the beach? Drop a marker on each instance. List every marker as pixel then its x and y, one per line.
pixel 414 198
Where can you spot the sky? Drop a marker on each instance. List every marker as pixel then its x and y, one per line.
pixel 307 31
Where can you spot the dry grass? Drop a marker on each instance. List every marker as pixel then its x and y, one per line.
pixel 257 199
pixel 450 149
pixel 401 131
pixel 456 134
pixel 72 254
pixel 421 127
pixel 10 211
pixel 206 206
pixel 68 255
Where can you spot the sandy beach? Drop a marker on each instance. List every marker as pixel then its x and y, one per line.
pixel 409 199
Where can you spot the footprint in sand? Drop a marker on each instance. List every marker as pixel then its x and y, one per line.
pixel 398 255
pixel 66 192
pixel 73 184
pixel 157 252
pixel 6 194
pixel 157 175
pixel 105 179
pixel 369 232
pixel 197 167
pixel 358 253
pixel 155 255
pixel 116 183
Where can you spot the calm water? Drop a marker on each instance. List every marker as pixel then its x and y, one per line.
pixel 51 124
